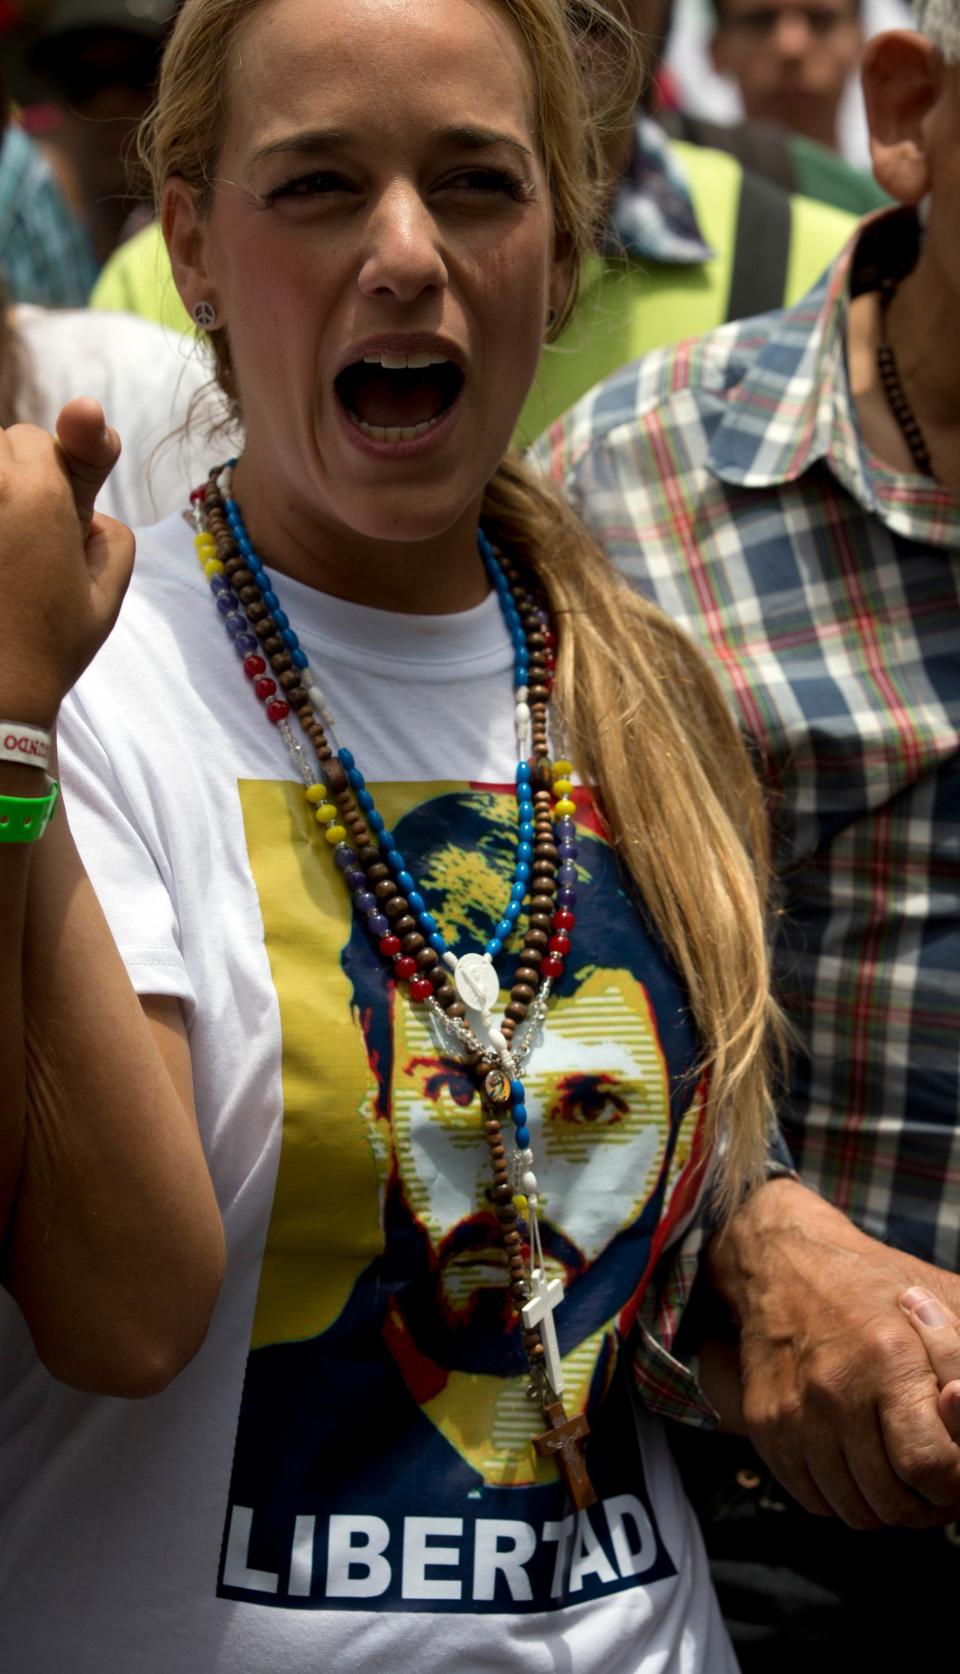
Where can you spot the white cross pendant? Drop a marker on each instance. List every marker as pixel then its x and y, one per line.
pixel 538 1312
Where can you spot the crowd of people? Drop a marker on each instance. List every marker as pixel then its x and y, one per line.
pixel 478 874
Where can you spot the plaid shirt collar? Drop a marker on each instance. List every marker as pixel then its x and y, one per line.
pixel 794 408
pixel 652 216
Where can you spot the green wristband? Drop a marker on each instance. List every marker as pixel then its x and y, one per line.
pixel 25 818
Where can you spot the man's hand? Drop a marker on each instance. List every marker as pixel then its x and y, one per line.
pixel 839 1394
pixel 939 1330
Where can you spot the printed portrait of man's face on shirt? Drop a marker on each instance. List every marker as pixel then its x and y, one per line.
pixel 598 1095
pixel 386 1383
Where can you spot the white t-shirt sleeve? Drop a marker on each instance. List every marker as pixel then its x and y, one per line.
pixel 126 874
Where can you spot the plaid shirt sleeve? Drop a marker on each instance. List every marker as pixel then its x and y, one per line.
pixel 664 1369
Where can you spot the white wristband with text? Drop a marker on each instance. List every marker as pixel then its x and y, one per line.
pixel 28 745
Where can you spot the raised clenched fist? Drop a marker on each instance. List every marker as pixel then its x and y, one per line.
pixel 63 568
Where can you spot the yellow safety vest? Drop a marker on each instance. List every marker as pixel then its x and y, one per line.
pixel 627 307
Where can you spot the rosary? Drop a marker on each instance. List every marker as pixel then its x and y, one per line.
pixel 459 991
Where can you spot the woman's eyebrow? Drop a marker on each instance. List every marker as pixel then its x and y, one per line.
pixel 310 140
pixel 479 139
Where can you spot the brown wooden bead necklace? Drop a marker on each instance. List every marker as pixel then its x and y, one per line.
pixel 262 635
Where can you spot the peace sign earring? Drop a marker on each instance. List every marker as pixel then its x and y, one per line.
pixel 204 314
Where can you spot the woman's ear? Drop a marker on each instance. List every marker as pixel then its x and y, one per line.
pixel 186 240
pixel 902 78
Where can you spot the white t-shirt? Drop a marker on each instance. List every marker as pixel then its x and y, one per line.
pixel 147 379
pixel 343 1478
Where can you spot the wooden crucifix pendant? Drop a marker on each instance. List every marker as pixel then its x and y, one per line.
pixel 563 1442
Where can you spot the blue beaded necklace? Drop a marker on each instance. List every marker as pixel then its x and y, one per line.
pixel 258 627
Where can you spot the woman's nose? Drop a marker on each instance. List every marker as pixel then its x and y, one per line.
pixel 402 257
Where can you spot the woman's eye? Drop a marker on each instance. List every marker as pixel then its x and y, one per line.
pixel 320 183
pixel 495 181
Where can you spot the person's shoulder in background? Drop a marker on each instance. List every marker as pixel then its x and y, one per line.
pixel 45 255
pixel 137 280
pixel 156 388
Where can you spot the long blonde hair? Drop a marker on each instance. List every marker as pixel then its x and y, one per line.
pixel 647 723
pixel 643 714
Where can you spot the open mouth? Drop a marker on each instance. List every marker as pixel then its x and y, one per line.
pixel 398 397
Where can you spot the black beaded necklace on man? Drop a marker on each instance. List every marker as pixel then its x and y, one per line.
pixel 893 389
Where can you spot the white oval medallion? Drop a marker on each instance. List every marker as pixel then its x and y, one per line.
pixel 476 982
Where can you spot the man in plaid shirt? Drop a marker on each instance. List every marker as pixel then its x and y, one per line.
pixel 802 520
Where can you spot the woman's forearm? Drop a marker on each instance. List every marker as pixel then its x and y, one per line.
pixel 115 1252
pixel 113 1244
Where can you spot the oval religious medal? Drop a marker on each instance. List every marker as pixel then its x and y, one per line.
pixel 476 981
pixel 496 1088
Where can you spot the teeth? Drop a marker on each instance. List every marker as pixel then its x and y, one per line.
pixel 393 433
pixel 401 363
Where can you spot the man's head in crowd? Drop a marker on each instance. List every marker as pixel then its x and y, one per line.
pixel 97 60
pixel 791 59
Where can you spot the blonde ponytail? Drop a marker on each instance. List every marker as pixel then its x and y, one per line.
pixel 647 724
